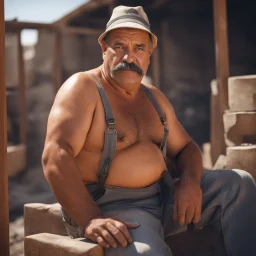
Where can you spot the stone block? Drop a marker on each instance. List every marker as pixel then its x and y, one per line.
pixel 240 127
pixel 242 93
pixel 242 157
pixel 221 163
pixel 206 155
pixel 43 218
pixel 16 159
pixel 56 245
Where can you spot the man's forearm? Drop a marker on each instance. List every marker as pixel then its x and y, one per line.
pixel 62 172
pixel 189 163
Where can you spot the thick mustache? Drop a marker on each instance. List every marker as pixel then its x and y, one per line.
pixel 127 66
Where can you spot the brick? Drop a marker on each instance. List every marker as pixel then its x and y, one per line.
pixel 239 127
pixel 56 245
pixel 242 157
pixel 242 93
pixel 43 218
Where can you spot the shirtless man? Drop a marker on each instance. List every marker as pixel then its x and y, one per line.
pixel 127 218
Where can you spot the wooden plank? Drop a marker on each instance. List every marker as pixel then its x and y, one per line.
pixel 220 101
pixel 22 87
pixel 221 50
pixel 57 75
pixel 80 31
pixel 12 26
pixel 81 10
pixel 156 67
pixel 164 46
pixel 4 213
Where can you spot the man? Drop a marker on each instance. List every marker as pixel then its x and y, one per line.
pixel 108 137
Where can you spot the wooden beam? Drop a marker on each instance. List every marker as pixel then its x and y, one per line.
pixel 4 212
pixel 156 67
pixel 80 31
pixel 14 26
pixel 164 45
pixel 221 50
pixel 219 102
pixel 57 68
pixel 88 7
pixel 22 87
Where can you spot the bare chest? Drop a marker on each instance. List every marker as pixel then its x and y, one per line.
pixel 134 123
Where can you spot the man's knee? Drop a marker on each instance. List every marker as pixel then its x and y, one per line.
pixel 238 177
pixel 232 180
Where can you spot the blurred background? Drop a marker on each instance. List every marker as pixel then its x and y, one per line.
pixel 48 41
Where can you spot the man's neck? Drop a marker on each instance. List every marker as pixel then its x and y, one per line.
pixel 129 91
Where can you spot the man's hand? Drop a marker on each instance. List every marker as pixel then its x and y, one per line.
pixel 109 232
pixel 187 202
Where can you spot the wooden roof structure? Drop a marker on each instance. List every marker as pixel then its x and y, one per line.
pixel 71 24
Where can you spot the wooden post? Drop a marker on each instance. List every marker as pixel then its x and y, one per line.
pixel 164 61
pixel 222 72
pixel 4 212
pixel 155 67
pixel 221 50
pixel 57 78
pixel 22 87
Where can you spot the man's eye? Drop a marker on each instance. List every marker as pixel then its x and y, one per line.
pixel 140 48
pixel 119 47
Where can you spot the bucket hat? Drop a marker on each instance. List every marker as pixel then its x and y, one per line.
pixel 129 17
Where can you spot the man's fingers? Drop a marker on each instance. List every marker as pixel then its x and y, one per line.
pixel 197 215
pixel 189 214
pixel 117 234
pixel 130 224
pixel 101 241
pixel 181 213
pixel 108 237
pixel 123 229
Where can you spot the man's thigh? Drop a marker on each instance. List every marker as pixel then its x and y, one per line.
pixel 148 238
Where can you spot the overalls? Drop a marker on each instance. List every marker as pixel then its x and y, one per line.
pixel 229 203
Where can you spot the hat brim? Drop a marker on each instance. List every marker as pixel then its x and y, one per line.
pixel 129 25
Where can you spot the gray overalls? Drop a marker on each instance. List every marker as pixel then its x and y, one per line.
pixel 229 203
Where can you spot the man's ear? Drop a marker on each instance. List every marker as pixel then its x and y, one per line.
pixel 151 51
pixel 103 49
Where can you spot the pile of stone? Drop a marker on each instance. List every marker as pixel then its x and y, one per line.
pixel 240 125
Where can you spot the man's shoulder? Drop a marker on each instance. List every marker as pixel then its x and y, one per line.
pixel 157 93
pixel 161 99
pixel 80 85
pixel 80 81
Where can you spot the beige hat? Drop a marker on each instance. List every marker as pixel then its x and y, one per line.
pixel 129 17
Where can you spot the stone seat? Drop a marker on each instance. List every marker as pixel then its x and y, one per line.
pixel 45 234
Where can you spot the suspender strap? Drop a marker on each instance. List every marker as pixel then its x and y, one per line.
pixel 110 139
pixel 162 118
pixel 107 108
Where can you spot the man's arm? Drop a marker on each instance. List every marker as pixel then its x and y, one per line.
pixel 187 156
pixel 68 124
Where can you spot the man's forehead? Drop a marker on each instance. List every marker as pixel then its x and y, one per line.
pixel 125 33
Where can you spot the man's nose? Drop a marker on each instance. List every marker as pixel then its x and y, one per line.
pixel 129 56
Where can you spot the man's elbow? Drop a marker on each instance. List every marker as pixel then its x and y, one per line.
pixel 51 158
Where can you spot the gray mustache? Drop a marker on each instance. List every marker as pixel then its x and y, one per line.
pixel 127 66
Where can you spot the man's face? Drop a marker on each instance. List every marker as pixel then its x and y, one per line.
pixel 127 54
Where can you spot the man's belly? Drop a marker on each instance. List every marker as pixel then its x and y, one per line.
pixel 137 166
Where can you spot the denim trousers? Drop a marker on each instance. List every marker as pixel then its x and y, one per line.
pixel 229 204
